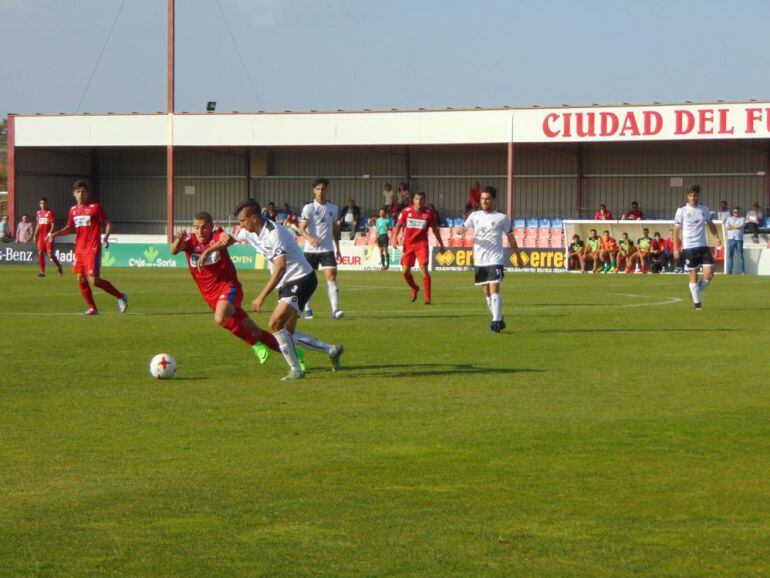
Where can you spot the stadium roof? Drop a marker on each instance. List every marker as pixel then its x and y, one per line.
pixel 567 123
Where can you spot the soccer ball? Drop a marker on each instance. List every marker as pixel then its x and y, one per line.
pixel 162 366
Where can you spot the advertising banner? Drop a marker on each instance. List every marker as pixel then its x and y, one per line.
pixel 26 253
pixel 535 260
pixel 633 123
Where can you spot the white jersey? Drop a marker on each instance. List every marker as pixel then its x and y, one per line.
pixel 273 241
pixel 320 223
pixel 693 221
pixel 488 231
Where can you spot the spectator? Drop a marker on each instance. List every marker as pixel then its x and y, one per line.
pixel 394 211
pixel 473 203
pixel 350 216
pixel 632 214
pixel 591 251
pixel 404 197
pixel 753 220
pixel 270 212
pixel 25 229
pixel 627 252
pixel 285 209
pixel 668 253
pixel 723 213
pixel 5 231
pixel 608 252
pixel 734 226
pixel 603 214
pixel 644 247
pixel 576 258
pixel 657 253
pixel 291 222
pixel 388 196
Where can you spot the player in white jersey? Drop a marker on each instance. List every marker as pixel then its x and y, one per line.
pixel 692 220
pixel 290 273
pixel 318 224
pixel 489 226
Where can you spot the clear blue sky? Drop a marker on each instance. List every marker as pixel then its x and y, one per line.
pixel 353 54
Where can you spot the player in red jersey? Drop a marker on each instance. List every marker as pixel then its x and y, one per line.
pixel 86 220
pixel 416 220
pixel 218 283
pixel 44 220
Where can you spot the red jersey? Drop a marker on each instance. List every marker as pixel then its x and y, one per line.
pixel 634 215
pixel 45 222
pixel 218 270
pixel 657 245
pixel 603 216
pixel 416 224
pixel 608 244
pixel 474 196
pixel 87 220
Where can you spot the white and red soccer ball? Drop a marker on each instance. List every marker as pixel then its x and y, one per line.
pixel 162 366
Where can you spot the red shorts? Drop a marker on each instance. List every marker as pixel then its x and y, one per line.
pixel 45 246
pixel 88 263
pixel 412 252
pixel 227 292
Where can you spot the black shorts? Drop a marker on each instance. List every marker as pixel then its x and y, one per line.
pixel 697 257
pixel 383 240
pixel 489 274
pixel 298 293
pixel 327 260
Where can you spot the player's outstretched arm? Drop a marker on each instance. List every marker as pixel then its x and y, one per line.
pixel 308 237
pixel 66 230
pixel 437 233
pixel 107 231
pixel 224 241
pixel 516 250
pixel 279 268
pixel 677 229
pixel 180 242
pixel 336 230
pixel 394 235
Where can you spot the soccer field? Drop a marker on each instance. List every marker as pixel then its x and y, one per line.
pixel 611 430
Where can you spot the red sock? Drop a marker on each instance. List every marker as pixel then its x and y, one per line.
pixel 410 280
pixel 269 340
pixel 105 285
pixel 426 287
pixel 240 331
pixel 85 291
pixel 41 261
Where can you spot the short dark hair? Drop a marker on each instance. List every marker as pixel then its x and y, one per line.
pixel 250 205
pixel 592 231
pixel 204 216
pixel 321 181
pixel 78 184
pixel 419 194
pixel 694 189
pixel 492 191
pixel 43 199
pixel 605 231
pixel 634 203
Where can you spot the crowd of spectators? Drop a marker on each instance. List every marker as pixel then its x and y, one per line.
pixel 608 255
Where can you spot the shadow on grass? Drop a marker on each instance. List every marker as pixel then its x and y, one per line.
pixel 426 370
pixel 630 330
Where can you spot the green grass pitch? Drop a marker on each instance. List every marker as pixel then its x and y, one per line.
pixel 611 430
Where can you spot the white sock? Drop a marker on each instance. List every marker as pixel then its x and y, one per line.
pixel 489 303
pixel 496 305
pixel 695 292
pixel 312 342
pixel 285 342
pixel 334 295
pixel 703 284
pixel 307 306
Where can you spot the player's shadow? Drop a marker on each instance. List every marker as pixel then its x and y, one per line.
pixel 426 315
pixel 427 370
pixel 632 330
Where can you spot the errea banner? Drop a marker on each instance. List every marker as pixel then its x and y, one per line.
pixel 634 123
pixel 535 260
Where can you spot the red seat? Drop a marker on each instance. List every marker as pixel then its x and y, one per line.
pixel 457 242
